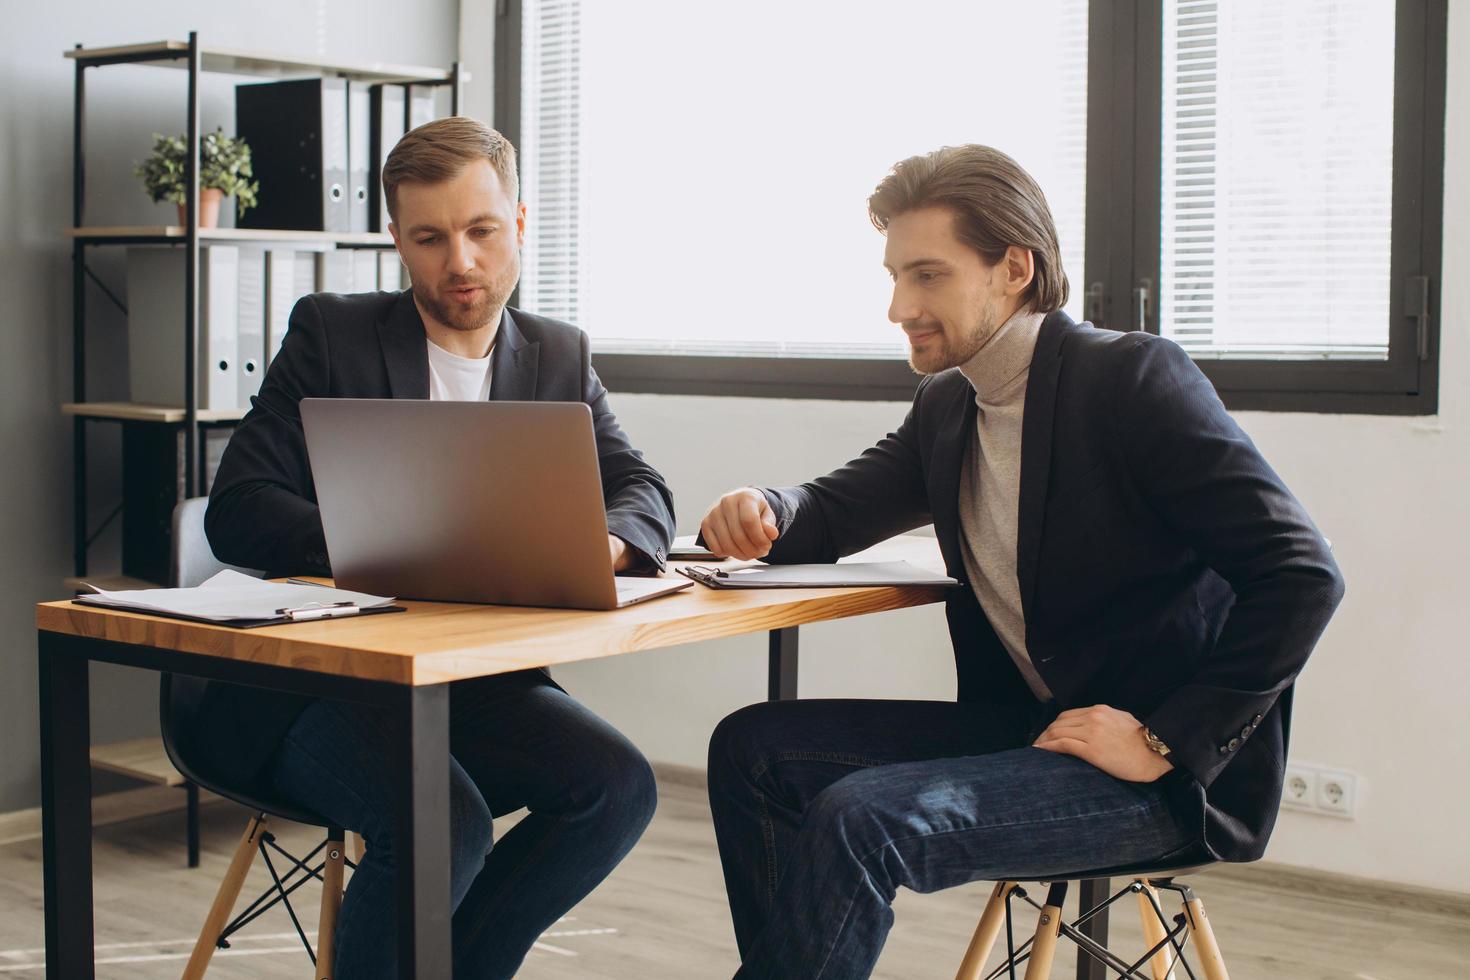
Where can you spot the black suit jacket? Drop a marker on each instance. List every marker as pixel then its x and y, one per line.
pixel 1164 568
pixel 263 510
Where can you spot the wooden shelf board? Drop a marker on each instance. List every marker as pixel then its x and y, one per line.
pixel 233 61
pixel 143 758
pixel 134 412
pixel 253 235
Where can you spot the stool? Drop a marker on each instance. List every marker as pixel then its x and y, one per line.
pixel 1166 939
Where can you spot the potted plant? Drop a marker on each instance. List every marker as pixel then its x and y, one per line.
pixel 224 169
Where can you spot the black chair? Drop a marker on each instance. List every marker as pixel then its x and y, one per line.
pixel 179 698
pixel 1165 939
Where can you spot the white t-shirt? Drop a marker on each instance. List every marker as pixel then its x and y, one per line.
pixel 457 379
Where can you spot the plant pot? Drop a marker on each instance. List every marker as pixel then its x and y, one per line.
pixel 209 200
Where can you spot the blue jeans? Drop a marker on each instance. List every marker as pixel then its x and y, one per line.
pixel 515 741
pixel 824 808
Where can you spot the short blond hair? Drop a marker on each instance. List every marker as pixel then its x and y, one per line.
pixel 439 150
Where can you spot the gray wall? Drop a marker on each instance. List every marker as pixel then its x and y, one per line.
pixel 125 106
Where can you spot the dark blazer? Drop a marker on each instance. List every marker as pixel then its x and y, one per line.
pixel 263 510
pixel 1165 569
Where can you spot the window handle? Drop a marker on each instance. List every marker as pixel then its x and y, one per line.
pixel 1094 314
pixel 1140 303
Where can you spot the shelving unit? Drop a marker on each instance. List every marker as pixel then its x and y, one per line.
pixel 195 59
pixel 156 428
pixel 175 234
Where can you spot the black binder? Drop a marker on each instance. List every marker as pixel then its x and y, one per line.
pixel 297 132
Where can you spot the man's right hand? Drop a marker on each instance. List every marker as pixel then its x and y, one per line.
pixel 740 525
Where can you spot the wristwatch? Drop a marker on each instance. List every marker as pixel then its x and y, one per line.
pixel 1154 742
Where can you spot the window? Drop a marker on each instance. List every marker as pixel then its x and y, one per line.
pixel 698 174
pixel 1277 173
pixel 1258 181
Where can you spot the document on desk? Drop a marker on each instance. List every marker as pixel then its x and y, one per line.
pixel 841 576
pixel 233 599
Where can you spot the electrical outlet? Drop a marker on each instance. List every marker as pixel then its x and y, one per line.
pixel 1300 791
pixel 1319 789
pixel 1337 793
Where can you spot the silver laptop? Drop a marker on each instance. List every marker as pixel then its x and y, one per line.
pixel 497 502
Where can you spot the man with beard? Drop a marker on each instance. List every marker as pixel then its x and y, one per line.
pixel 1138 590
pixel 516 740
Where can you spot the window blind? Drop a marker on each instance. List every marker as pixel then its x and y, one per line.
pixel 696 175
pixel 1277 178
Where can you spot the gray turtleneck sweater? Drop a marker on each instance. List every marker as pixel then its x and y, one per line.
pixel 990 484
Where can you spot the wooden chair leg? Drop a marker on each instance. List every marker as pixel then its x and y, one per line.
pixel 991 921
pixel 1162 962
pixel 359 846
pixel 224 899
pixel 326 938
pixel 1048 929
pixel 1204 939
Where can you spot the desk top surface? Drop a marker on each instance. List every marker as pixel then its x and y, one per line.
pixel 434 642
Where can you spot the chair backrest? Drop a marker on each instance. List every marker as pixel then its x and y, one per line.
pixel 179 700
pixel 192 560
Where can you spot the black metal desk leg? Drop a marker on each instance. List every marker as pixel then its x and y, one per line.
pixel 66 807
pixel 782 682
pixel 191 791
pixel 422 833
pixel 1094 892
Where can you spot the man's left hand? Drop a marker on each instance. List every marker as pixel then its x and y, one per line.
pixel 622 558
pixel 1110 739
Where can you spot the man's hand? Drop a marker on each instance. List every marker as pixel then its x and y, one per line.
pixel 740 525
pixel 622 558
pixel 1108 738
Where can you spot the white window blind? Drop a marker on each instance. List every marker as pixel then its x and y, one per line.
pixel 552 178
pixel 1277 177
pixel 696 175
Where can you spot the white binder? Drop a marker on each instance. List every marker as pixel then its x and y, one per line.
pixel 364 270
pixel 391 274
pixel 250 326
pixel 281 292
pixel 334 271
pixel 359 154
pixel 156 370
pixel 389 116
pixel 219 300
pixel 421 105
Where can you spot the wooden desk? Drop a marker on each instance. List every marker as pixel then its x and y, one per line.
pixel 405 663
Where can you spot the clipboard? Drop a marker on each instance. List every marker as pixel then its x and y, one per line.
pixel 841 576
pixel 311 612
pixel 240 601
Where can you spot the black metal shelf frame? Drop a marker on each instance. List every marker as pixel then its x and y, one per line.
pixel 193 463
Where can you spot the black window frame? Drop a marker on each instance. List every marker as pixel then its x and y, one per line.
pixel 1123 238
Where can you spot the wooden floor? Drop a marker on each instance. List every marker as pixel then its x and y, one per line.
pixel 663 915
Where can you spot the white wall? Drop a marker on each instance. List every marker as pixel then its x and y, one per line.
pixel 1383 696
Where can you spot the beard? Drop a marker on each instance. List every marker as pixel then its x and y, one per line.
pixel 468 317
pixel 942 351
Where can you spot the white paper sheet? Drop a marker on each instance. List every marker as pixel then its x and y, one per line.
pixel 231 596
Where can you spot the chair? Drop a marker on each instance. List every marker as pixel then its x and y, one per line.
pixel 1166 940
pixel 179 698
